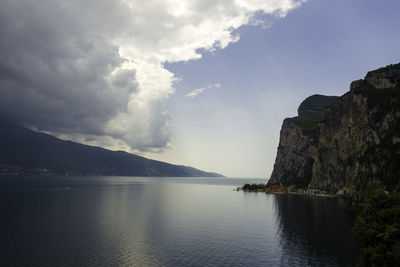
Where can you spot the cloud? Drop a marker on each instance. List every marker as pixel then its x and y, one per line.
pixel 198 91
pixel 93 71
pixel 195 92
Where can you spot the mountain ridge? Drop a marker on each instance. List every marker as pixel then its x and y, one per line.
pixel 28 152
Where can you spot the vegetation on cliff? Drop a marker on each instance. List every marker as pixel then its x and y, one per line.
pixel 377 228
pixel 312 111
pixel 262 188
pixel 384 69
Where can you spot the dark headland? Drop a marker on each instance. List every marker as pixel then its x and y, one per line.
pixel 349 146
pixel 339 145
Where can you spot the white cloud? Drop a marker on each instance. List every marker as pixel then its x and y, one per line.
pixel 195 92
pixel 198 91
pixel 102 62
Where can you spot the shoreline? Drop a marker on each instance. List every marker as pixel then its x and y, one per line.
pixel 280 189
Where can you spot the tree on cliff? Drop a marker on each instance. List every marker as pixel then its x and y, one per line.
pixel 377 228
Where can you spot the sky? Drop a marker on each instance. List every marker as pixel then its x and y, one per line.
pixel 200 83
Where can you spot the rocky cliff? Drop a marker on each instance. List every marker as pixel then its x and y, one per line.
pixel 356 141
pixel 293 164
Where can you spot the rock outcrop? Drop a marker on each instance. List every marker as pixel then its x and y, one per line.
pixel 356 142
pixel 293 164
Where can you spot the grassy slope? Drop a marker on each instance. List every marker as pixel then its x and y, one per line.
pixel 311 112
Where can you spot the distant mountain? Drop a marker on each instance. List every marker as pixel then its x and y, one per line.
pixel 23 151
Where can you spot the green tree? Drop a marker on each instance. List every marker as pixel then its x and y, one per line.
pixel 377 228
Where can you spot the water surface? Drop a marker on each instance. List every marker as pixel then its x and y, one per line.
pixel 131 221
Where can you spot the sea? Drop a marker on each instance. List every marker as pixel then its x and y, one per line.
pixel 167 221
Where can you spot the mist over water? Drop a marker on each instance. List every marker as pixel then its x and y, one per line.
pixel 128 221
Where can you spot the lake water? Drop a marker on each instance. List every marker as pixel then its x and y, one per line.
pixel 131 221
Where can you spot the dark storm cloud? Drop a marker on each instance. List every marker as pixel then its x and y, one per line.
pixel 69 67
pixel 55 70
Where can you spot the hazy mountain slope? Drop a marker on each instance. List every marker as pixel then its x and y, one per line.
pixel 28 152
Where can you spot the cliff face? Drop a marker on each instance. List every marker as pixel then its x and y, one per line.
pixel 357 142
pixel 293 164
